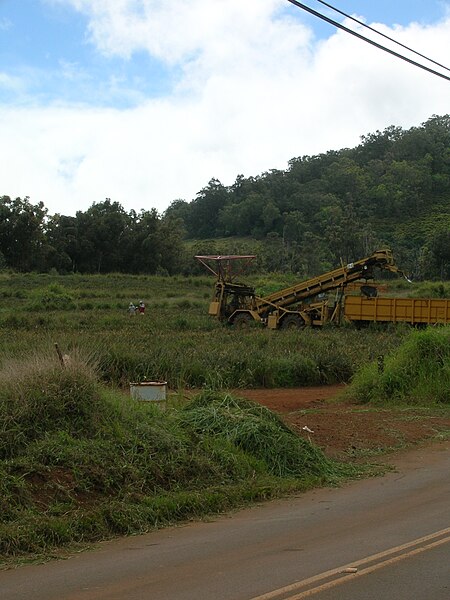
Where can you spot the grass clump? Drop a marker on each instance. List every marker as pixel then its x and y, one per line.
pixel 417 372
pixel 435 289
pixel 54 297
pixel 38 397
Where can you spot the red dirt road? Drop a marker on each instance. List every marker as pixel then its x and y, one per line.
pixel 343 428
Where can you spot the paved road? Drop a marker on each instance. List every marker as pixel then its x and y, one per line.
pixel 392 533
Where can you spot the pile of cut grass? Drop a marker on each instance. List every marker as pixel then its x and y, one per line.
pixel 80 463
pixel 259 432
pixel 418 372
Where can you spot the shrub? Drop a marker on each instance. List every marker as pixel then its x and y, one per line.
pixel 55 297
pixel 418 371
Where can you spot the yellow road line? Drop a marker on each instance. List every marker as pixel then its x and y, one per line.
pixel 385 563
pixel 345 576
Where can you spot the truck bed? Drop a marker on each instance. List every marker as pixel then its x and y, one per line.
pixel 398 310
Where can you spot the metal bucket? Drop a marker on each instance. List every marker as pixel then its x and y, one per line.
pixel 149 391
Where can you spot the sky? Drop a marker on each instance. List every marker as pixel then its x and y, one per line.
pixel 145 101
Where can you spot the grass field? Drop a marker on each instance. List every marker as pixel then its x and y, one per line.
pixel 176 340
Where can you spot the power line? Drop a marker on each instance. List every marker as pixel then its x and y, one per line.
pixel 382 34
pixel 365 39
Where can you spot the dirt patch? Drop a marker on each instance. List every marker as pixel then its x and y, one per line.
pixel 283 400
pixel 341 428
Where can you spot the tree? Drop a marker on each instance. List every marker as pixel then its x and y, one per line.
pixel 312 253
pixel 203 219
pixel 347 236
pixel 406 187
pixel 22 240
pixel 439 245
pixel 99 231
pixel 270 216
pixel 293 227
pixel 378 145
pixel 178 209
pixel 347 179
pixel 273 253
pixel 245 218
pixel 62 236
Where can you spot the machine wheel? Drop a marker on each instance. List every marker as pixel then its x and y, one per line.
pixel 242 321
pixel 292 322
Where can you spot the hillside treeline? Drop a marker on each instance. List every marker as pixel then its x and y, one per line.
pixel 393 189
pixel 103 239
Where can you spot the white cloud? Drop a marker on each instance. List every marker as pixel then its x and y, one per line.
pixel 174 30
pixel 255 89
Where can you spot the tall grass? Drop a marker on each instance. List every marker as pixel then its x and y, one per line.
pixel 38 397
pixel 198 352
pixel 416 372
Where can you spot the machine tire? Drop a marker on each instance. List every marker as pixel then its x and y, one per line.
pixel 292 322
pixel 242 320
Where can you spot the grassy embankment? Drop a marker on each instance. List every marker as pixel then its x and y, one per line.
pixel 408 392
pixel 79 462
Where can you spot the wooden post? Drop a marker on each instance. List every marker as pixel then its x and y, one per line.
pixel 59 353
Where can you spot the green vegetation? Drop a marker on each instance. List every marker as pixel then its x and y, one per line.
pixel 79 463
pixel 417 372
pixel 256 430
pixel 176 340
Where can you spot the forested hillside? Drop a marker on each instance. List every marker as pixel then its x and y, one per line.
pixel 393 189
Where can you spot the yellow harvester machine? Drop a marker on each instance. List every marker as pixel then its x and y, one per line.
pixel 319 300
